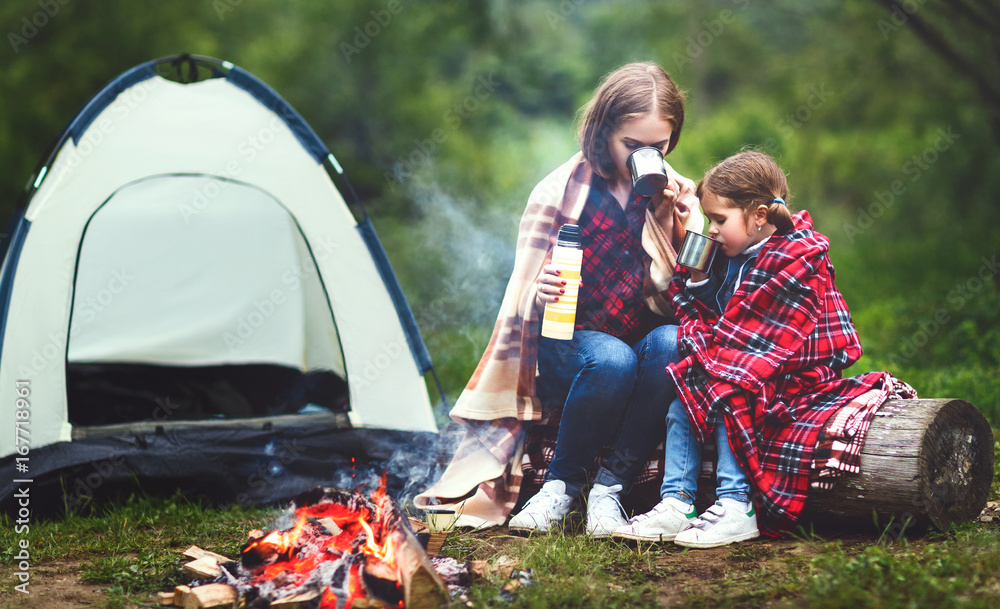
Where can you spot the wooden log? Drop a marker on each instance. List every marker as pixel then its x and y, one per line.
pixel 180 595
pixel 295 601
pixel 422 586
pixel 195 552
pixel 927 461
pixel 210 595
pixel 206 567
pixel 165 599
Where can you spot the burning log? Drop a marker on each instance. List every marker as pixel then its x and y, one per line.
pixel 336 550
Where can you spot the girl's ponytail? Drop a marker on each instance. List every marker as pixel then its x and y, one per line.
pixel 780 217
pixel 748 180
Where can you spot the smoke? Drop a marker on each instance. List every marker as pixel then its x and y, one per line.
pixel 475 243
pixel 412 463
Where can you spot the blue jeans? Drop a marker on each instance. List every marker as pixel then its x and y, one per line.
pixel 683 461
pixel 609 391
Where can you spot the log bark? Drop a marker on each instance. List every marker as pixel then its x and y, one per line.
pixel 924 462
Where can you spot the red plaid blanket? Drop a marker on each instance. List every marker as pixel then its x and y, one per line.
pixel 771 365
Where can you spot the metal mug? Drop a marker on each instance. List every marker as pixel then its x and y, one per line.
pixel 649 172
pixel 697 251
pixel 439 521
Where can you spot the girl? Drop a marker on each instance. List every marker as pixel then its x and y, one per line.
pixel 764 337
pixel 606 381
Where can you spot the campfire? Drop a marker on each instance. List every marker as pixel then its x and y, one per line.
pixel 333 549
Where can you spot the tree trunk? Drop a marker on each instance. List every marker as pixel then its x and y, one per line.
pixel 923 462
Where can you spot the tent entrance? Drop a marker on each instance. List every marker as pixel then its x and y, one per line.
pixel 197 298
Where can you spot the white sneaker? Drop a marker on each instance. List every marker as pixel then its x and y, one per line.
pixel 604 510
pixel 720 525
pixel 547 507
pixel 662 523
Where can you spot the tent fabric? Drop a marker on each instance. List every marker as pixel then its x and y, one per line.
pixel 243 466
pixel 216 194
pixel 156 285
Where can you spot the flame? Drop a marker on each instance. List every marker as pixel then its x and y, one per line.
pixel 301 549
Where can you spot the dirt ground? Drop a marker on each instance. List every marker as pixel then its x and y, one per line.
pixel 55 585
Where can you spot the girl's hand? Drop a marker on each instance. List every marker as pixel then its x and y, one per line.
pixel 550 285
pixel 697 276
pixel 678 193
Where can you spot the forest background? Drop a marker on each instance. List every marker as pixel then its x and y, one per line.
pixel 885 116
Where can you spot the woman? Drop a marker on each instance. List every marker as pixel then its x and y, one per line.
pixel 609 380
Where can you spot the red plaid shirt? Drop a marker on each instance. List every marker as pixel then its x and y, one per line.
pixel 614 265
pixel 771 365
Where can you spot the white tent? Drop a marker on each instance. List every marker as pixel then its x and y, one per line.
pixel 196 225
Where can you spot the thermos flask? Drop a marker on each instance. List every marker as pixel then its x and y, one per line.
pixel 560 317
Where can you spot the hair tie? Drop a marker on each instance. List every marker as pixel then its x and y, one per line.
pixel 779 200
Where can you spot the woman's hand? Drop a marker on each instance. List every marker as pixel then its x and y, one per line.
pixel 678 193
pixel 550 285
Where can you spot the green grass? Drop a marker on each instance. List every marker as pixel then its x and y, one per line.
pixel 568 569
pixel 132 549
pixel 961 569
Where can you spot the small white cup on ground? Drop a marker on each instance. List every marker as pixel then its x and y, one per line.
pixel 441 521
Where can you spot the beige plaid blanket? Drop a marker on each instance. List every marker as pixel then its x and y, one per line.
pixel 484 477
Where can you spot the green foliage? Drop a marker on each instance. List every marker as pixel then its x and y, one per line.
pixel 449 113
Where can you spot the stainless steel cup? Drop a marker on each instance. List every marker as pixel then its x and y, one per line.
pixel 697 251
pixel 439 521
pixel 649 173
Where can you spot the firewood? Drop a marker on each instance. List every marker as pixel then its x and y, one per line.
pixel 379 569
pixel 422 586
pixel 195 552
pixel 923 462
pixel 366 603
pixel 330 525
pixel 504 565
pixel 418 526
pixel 295 601
pixel 180 595
pixel 206 567
pixel 210 595
pixel 165 599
